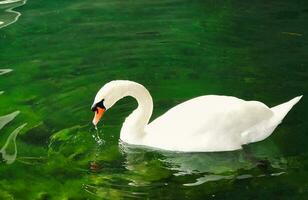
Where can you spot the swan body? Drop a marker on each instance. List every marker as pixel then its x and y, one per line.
pixel 203 124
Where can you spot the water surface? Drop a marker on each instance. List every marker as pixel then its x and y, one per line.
pixel 55 55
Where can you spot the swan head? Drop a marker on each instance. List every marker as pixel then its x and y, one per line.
pixel 106 97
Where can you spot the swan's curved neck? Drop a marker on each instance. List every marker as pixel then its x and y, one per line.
pixel 133 128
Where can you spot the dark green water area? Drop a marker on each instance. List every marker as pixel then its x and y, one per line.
pixel 56 54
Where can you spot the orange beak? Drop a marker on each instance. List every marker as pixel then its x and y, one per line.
pixel 98 115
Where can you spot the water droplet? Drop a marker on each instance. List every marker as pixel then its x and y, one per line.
pixel 98 139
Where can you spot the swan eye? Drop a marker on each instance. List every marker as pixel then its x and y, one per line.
pixel 98 105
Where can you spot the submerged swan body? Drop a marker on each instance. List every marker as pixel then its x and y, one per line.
pixel 202 124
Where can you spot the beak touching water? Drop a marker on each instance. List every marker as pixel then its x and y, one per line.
pixel 98 115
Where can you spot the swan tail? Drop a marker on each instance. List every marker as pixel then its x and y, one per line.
pixel 265 129
pixel 282 110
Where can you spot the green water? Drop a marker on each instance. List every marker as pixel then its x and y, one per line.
pixel 61 52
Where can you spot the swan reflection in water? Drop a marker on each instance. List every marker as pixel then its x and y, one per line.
pixel 206 167
pixel 139 168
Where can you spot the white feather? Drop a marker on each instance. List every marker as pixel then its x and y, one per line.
pixel 206 123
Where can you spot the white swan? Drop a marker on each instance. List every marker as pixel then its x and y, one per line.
pixel 202 124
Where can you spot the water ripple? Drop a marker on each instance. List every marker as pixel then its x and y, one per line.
pixel 5 71
pixel 9 149
pixel 7 118
pixel 7 15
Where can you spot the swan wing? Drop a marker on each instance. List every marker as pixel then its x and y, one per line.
pixel 210 123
